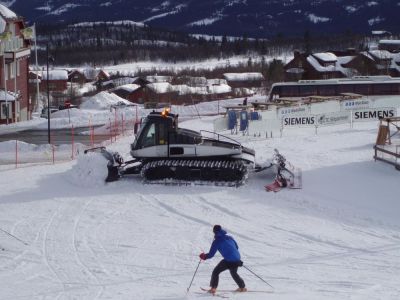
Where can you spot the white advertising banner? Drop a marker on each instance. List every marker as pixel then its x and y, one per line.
pixel 373 114
pixel 221 124
pixel 355 104
pixel 284 111
pixel 305 120
pixel 262 127
pixel 336 118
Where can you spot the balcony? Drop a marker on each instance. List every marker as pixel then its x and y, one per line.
pixel 14 49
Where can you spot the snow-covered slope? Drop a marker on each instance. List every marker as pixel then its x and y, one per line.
pixel 231 17
pixel 78 238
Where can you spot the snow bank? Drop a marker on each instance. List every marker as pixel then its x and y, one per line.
pixel 89 171
pixel 9 146
pixel 102 101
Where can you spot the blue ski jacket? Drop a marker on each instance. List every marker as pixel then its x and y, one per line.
pixel 226 245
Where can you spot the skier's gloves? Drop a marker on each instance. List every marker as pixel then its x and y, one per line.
pixel 203 256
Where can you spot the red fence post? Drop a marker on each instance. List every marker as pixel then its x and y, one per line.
pixel 16 153
pixel 110 131
pixel 115 124
pixel 122 124
pixel 72 140
pixel 92 133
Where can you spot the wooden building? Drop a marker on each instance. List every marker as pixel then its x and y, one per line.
pixel 14 63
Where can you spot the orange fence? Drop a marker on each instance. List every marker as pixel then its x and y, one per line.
pixel 66 146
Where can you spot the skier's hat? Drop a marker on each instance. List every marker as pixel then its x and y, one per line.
pixel 216 228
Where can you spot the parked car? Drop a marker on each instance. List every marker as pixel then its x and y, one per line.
pixel 44 111
pixel 61 107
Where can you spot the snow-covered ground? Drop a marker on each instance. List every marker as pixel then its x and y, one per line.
pixel 79 238
pixel 104 106
pixel 209 64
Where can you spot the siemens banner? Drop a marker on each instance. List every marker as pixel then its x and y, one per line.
pixel 374 113
pixel 355 104
pixel 292 110
pixel 341 117
pixel 299 120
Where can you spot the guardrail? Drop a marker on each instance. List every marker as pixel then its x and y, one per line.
pixel 382 151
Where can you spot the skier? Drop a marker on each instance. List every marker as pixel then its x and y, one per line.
pixel 228 248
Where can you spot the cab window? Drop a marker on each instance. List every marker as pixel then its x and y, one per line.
pixel 150 136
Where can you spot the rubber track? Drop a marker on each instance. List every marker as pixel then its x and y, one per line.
pixel 198 172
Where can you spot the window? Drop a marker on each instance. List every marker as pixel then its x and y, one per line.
pixel 11 27
pixel 149 138
pixel 5 110
pixel 18 68
pixel 12 69
pixel 162 139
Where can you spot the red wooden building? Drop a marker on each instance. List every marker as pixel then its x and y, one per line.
pixel 14 63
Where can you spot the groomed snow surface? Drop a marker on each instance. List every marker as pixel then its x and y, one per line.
pixel 79 238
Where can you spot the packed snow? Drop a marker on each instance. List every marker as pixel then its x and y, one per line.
pixel 65 234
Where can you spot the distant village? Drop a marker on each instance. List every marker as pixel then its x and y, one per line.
pixel 25 89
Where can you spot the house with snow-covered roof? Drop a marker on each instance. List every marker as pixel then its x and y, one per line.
pixel 131 92
pixel 57 80
pixel 15 103
pixel 116 82
pixel 183 93
pixel 190 80
pixel 373 62
pixel 321 65
pixel 389 45
pixel 249 79
pixel 159 78
pixel 160 92
pixel 84 75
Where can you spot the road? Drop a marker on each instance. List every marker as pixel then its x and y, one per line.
pixel 58 136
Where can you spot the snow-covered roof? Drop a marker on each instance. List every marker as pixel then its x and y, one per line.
pixel 183 89
pixel 128 87
pixel 160 87
pixel 90 73
pixel 317 66
pixel 393 42
pixel 219 89
pixel 55 75
pixel 396 57
pixel 6 13
pixel 243 76
pixel 337 67
pixel 120 81
pixel 9 96
pixel 381 54
pixel 325 56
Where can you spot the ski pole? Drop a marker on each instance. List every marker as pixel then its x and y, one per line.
pixel 256 275
pixel 193 276
pixel 14 237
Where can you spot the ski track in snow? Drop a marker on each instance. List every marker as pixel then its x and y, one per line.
pixel 127 238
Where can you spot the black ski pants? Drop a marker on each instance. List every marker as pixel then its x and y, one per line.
pixel 223 266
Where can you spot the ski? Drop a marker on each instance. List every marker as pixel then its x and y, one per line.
pixel 217 294
pixel 273 187
pixel 248 291
pixel 225 291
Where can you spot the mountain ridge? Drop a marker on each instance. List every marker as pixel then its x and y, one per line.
pixel 252 18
